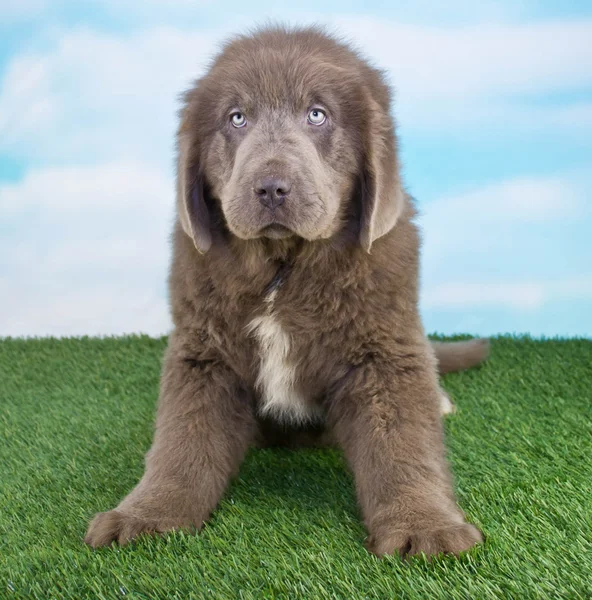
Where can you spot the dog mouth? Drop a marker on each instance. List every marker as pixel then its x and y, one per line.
pixel 275 231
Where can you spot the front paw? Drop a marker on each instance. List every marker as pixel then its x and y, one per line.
pixel 118 526
pixel 450 540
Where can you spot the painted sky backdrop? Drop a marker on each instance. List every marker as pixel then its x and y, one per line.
pixel 494 111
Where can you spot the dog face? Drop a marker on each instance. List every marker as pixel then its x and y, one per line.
pixel 290 133
pixel 289 158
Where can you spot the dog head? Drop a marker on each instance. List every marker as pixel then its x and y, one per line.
pixel 288 134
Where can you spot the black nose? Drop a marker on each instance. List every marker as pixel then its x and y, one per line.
pixel 272 191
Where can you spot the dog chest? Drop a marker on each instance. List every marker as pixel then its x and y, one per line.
pixel 276 378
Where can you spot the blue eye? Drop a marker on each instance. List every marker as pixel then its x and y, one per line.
pixel 238 119
pixel 316 116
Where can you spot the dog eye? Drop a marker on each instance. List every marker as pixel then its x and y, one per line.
pixel 316 117
pixel 238 119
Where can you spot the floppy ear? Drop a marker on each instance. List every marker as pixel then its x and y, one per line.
pixel 382 194
pixel 191 206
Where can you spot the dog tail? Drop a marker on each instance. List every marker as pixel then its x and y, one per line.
pixel 456 356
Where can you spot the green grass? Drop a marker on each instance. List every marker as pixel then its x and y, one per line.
pixel 76 418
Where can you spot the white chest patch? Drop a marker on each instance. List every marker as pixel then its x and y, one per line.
pixel 277 373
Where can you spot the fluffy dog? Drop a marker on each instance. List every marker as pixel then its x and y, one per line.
pixel 294 296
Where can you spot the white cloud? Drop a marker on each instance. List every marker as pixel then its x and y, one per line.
pixel 480 59
pixel 449 76
pixel 107 310
pixel 499 246
pixel 493 217
pixel 521 199
pixel 514 295
pixel 99 97
pixel 523 295
pixel 123 187
pixel 87 251
pixel 21 8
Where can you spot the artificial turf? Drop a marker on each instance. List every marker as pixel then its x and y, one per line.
pixel 76 418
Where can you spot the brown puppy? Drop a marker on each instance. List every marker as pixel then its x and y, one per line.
pixel 294 291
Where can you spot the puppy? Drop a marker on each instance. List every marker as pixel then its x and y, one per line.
pixel 294 297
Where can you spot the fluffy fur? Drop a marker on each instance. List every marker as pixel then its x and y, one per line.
pixel 296 321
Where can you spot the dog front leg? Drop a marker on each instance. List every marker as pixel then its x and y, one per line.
pixel 204 425
pixel 385 416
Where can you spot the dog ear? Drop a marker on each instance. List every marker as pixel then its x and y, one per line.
pixel 382 194
pixel 191 205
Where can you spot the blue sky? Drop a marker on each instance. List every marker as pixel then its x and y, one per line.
pixel 494 112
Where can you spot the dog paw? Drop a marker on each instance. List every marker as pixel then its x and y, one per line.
pixel 117 526
pixel 450 540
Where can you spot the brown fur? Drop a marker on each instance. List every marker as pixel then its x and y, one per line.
pixel 335 290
